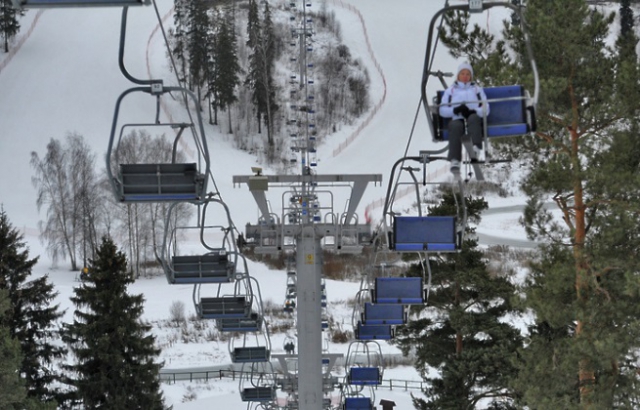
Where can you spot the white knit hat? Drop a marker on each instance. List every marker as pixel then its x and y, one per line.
pixel 465 66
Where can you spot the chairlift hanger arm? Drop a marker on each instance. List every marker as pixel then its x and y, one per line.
pixel 155 84
pixel 388 198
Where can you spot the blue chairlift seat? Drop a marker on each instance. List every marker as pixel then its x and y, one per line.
pixel 250 354
pixel 425 234
pixel 385 314
pixel 226 307
pixel 398 290
pixel 160 183
pixel 258 394
pixel 364 376
pixel 507 118
pixel 252 323
pixel 213 267
pixel 373 332
pixel 357 403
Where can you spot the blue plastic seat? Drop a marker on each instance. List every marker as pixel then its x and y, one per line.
pixel 425 233
pixel 373 332
pixel 364 376
pixel 385 314
pixel 507 118
pixel 358 403
pixel 398 290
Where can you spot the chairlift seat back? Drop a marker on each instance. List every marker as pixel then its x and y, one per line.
pixel 509 115
pixel 384 314
pixel 364 376
pixel 357 403
pixel 425 233
pixel 226 307
pixel 250 354
pixel 160 183
pixel 258 394
pixel 398 290
pixel 252 323
pixel 213 267
pixel 373 332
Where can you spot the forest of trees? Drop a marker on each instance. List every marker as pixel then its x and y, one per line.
pixel 244 69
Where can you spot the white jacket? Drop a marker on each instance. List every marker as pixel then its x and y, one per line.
pixel 464 93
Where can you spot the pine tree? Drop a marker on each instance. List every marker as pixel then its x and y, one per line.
pixel 460 334
pixel 12 390
pixel 582 289
pixel 261 66
pixel 198 40
pixel 31 317
pixel 115 355
pixel 226 69
pixel 9 25
pixel 179 37
pixel 626 18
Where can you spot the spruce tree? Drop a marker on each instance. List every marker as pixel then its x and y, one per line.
pixel 179 37
pixel 31 317
pixel 226 70
pixel 198 40
pixel 582 289
pixel 12 390
pixel 460 334
pixel 115 355
pixel 9 25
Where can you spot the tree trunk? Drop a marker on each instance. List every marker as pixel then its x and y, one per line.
pixel 586 374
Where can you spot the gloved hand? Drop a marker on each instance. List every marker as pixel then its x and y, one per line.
pixel 460 109
pixel 468 112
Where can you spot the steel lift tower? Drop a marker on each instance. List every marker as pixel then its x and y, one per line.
pixel 307 227
pixel 307 223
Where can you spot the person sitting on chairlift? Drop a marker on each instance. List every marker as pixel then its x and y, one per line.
pixel 465 103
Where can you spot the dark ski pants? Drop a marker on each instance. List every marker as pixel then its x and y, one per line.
pixel 456 132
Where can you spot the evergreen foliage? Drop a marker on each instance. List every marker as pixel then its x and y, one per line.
pixel 460 336
pixel 9 25
pixel 261 68
pixel 12 390
pixel 626 18
pixel 115 355
pixel 198 43
pixel 30 317
pixel 583 287
pixel 179 37
pixel 226 68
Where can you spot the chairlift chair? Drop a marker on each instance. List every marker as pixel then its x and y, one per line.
pixel 513 109
pixel 422 233
pixel 214 263
pixel 158 181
